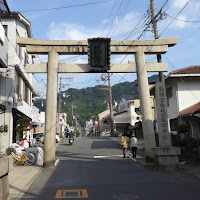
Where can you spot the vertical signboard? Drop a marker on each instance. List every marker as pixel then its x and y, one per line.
pixel 162 117
pixel 99 54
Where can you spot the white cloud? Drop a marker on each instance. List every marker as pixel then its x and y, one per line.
pixel 179 3
pixel 81 61
pixel 189 13
pixel 69 31
pixel 122 58
pixel 104 21
pixel 180 24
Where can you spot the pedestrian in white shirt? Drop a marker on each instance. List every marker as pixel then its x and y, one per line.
pixel 133 145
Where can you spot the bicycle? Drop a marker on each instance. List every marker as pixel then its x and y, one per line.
pixel 25 158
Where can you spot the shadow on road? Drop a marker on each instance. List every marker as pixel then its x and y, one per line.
pixel 105 145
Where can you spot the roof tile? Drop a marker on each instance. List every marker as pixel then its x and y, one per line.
pixel 194 69
pixel 190 110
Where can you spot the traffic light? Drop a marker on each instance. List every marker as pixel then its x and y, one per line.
pixel 99 54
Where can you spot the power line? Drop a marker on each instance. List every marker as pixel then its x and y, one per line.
pixel 175 17
pixel 147 25
pixel 64 7
pixel 108 18
pixel 171 4
pixel 182 20
pixel 114 20
pixel 120 17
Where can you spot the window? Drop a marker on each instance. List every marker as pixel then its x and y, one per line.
pixel 26 58
pixel 24 90
pixel 6 29
pixel 17 83
pixel 18 48
pixel 169 92
pixel 26 93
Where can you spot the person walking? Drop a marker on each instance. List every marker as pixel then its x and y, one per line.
pixel 133 145
pixel 125 145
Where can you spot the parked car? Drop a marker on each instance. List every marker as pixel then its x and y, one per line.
pixel 40 138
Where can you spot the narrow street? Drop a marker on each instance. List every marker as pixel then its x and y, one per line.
pixel 107 178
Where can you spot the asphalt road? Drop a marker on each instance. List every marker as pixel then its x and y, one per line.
pixel 81 176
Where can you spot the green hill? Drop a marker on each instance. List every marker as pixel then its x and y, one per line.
pixel 91 101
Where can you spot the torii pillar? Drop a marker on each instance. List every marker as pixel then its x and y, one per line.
pixel 145 104
pixel 51 109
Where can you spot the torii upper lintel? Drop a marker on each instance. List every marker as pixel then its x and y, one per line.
pixel 80 47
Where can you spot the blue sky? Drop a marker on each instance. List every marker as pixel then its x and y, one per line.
pixel 115 19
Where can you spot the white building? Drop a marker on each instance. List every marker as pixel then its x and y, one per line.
pixel 183 92
pixel 3 79
pixel 183 99
pixel 17 87
pixel 127 112
pixel 89 126
pixel 103 126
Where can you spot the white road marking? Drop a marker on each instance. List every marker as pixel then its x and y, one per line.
pixel 56 162
pixel 133 159
pixel 109 156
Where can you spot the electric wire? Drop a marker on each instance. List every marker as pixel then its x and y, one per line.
pixel 175 17
pixel 182 20
pixel 108 18
pixel 64 7
pixel 114 19
pixel 120 18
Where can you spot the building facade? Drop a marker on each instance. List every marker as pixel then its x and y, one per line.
pixel 128 112
pixel 17 87
pixel 183 97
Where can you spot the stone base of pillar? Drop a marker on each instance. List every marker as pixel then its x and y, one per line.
pixel 49 164
pixel 166 158
pixel 6 165
pixel 149 159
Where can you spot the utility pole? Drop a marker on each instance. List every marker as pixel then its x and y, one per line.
pixel 59 102
pixel 110 102
pixel 72 114
pixel 155 27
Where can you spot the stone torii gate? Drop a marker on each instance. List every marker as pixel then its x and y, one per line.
pixel 54 48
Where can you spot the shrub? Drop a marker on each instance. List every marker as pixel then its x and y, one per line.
pixel 183 128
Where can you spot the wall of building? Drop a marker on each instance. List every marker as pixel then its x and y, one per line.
pixel 123 105
pixel 188 92
pixel 3 48
pixel 6 84
pixel 16 56
pixel 103 126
